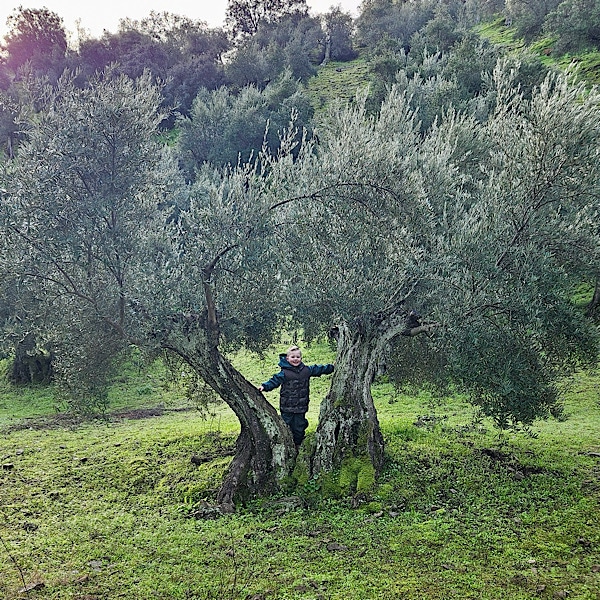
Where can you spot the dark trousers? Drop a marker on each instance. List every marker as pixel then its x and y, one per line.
pixel 297 423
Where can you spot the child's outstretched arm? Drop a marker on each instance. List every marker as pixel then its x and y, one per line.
pixel 273 383
pixel 318 370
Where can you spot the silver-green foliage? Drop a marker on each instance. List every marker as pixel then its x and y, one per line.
pixel 79 200
pixel 535 237
pixel 100 226
pixel 485 228
pixel 227 128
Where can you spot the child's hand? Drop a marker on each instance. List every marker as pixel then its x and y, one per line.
pixel 261 388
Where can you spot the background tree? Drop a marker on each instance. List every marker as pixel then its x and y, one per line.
pixel 477 11
pixel 9 129
pixel 528 16
pixel 35 37
pixel 577 25
pixel 380 20
pixel 227 128
pixel 243 17
pixel 31 357
pixel 184 54
pixel 295 42
pixel 194 54
pixel 338 27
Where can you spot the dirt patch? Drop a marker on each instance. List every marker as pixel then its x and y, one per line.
pixel 511 463
pixel 72 420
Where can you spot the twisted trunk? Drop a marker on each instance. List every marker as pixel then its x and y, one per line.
pixel 265 452
pixel 348 424
pixel 264 449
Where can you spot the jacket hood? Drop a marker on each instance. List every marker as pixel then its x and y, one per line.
pixel 284 364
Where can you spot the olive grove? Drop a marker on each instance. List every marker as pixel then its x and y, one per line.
pixel 484 228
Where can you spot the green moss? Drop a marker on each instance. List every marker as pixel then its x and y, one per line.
pixel 364 434
pixel 330 485
pixel 372 507
pixel 386 492
pixel 365 481
pixel 357 474
pixel 348 476
pixel 339 402
pixel 301 473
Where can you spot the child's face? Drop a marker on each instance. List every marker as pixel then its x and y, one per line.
pixel 294 357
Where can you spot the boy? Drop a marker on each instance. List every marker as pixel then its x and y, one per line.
pixel 294 394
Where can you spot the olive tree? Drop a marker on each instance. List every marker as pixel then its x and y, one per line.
pixel 227 128
pixel 576 25
pixel 376 246
pixel 99 226
pixel 483 228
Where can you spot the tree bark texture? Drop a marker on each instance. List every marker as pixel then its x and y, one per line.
pixel 348 423
pixel 594 302
pixel 265 452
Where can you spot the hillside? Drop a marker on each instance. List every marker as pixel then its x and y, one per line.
pixel 587 62
pixel 339 81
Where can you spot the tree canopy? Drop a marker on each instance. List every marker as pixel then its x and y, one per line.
pixel 36 36
pixel 244 17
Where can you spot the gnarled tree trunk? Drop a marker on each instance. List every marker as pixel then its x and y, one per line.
pixel 264 449
pixel 265 452
pixel 348 424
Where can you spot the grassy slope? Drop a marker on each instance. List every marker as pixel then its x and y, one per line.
pixel 338 81
pixel 587 62
pixel 341 80
pixel 118 510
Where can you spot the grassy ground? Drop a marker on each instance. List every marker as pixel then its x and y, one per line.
pixel 586 62
pixel 338 81
pixel 116 508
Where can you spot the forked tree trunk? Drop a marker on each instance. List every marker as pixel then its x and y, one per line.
pixel 348 423
pixel 265 453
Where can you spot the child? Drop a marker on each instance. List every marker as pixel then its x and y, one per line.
pixel 294 394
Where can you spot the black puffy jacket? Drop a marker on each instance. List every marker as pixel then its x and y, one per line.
pixel 294 381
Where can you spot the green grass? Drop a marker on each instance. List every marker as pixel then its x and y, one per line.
pixel 116 509
pixel 587 62
pixel 338 81
pixel 500 35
